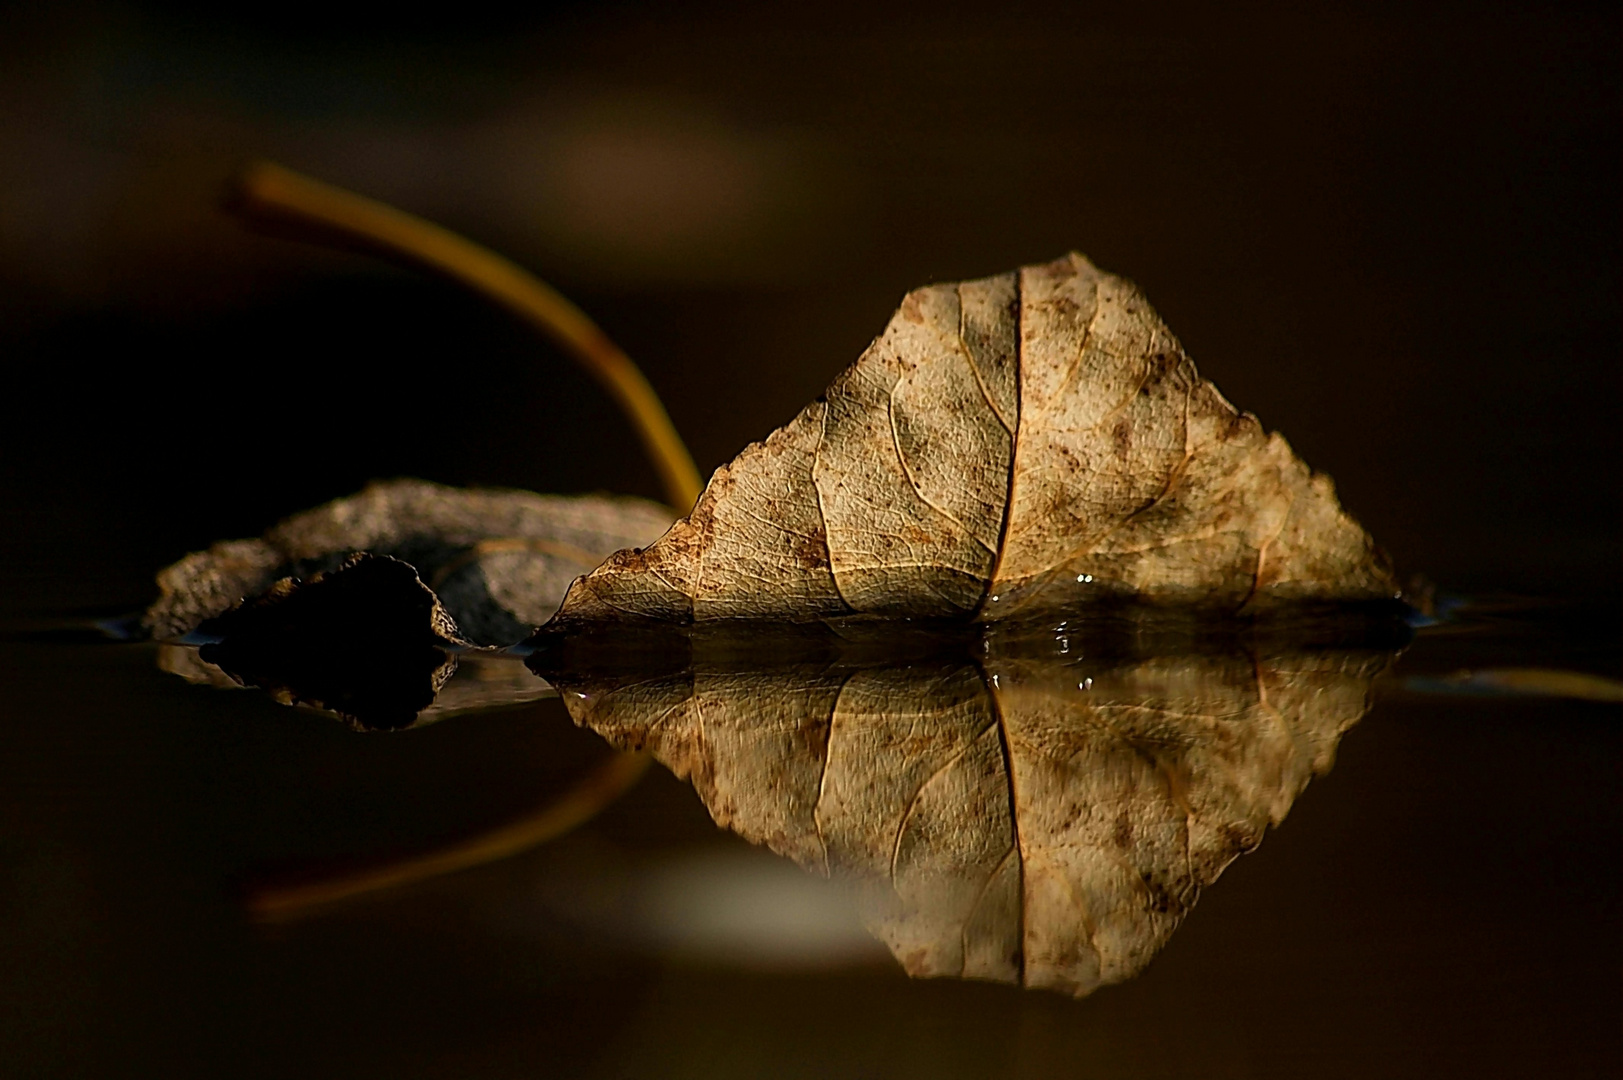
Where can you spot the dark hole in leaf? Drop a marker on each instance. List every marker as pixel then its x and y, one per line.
pixel 365 640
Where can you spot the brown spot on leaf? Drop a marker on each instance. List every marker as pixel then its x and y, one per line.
pixel 1122 435
pixel 910 309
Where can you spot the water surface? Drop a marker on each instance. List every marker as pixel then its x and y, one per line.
pixel 1445 899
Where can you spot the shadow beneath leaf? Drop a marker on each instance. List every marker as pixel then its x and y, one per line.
pixel 367 641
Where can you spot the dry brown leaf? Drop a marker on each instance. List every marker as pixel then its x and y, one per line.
pixel 499 561
pixel 1035 438
pixel 1031 819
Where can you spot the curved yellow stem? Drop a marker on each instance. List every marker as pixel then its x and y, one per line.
pixel 576 806
pixel 270 194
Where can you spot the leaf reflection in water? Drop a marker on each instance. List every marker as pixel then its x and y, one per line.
pixel 1006 808
pixel 479 682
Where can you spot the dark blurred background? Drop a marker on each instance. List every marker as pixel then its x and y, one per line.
pixel 1391 231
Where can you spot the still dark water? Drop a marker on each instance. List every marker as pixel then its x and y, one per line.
pixel 1445 901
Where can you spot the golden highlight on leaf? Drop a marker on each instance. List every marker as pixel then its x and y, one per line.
pixel 1035 439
